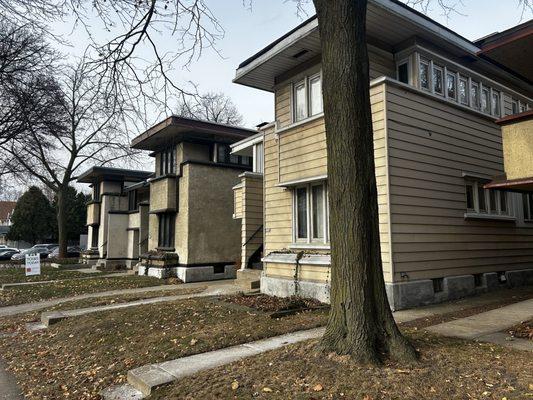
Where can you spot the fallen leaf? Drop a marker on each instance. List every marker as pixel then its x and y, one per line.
pixel 193 342
pixel 267 389
pixel 318 388
pixel 234 385
pixel 368 397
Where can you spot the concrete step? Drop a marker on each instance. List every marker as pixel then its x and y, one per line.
pixel 248 278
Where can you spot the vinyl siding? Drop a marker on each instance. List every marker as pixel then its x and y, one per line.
pixel 252 216
pixel 431 144
pixel 299 154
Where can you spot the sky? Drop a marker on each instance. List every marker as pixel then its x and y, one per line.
pixel 249 29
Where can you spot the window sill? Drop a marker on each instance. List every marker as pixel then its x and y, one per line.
pixel 471 215
pixel 309 246
pixel 299 123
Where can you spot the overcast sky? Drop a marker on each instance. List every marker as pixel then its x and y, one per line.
pixel 249 30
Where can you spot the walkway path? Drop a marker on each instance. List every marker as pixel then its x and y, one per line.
pixel 487 326
pixel 29 307
pixel 9 389
pixel 49 318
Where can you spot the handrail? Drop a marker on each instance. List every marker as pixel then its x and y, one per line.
pixel 253 235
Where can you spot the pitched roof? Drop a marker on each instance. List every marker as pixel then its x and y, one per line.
pixel 6 208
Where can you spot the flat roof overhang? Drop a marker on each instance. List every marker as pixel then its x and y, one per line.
pixel 514 185
pixel 96 173
pixel 402 24
pixel 175 129
pixel 511 49
pixel 245 146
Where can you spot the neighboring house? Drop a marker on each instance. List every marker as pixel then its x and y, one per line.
pixel 435 98
pixel 192 233
pixel 6 211
pixel 117 216
pixel 248 207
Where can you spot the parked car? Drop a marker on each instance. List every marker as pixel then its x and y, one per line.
pixel 49 246
pixel 3 246
pixel 7 252
pixel 42 251
pixel 72 251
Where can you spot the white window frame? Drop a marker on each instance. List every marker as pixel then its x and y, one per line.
pixel 258 160
pixel 465 79
pixel 430 73
pixel 456 78
pixel 486 193
pixel 308 91
pixel 307 95
pixel 443 80
pixel 309 216
pixel 295 85
pixel 404 61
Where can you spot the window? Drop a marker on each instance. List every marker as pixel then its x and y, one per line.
pixel 307 97
pixel 438 78
pixel 315 95
pixel 224 156
pixel 96 191
pixel 94 239
pixel 403 72
pixel 514 106
pixel 132 200
pixel 166 230
pixel 474 95
pixel 300 104
pixel 485 201
pixel 167 161
pixel 485 100
pixel 496 103
pixel 463 90
pixel 310 211
pixel 424 74
pixel 451 85
pixel 527 202
pixel 522 107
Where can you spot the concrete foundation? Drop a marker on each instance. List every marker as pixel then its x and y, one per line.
pixel 410 294
pixel 190 273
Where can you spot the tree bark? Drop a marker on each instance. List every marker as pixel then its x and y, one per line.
pixel 360 322
pixel 62 222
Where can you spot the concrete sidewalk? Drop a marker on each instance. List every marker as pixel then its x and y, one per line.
pixel 49 318
pixel 488 326
pixel 9 389
pixel 29 307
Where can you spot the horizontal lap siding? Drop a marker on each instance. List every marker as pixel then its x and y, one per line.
pixel 252 217
pixel 300 153
pixel 431 144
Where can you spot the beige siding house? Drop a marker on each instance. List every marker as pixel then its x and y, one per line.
pixel 192 233
pixel 435 102
pixel 117 216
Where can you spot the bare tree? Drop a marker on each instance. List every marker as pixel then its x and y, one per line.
pixel 214 107
pixel 91 127
pixel 24 58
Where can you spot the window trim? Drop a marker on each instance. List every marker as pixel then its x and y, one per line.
pixel 404 61
pixel 427 62
pixel 436 67
pixel 309 215
pixel 305 81
pixel 455 75
pixel 170 241
pixel 466 80
pixel 476 212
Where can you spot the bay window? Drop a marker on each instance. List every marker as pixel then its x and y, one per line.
pixel 310 213
pixel 424 74
pixel 451 85
pixel 463 90
pixel 438 78
pixel 307 97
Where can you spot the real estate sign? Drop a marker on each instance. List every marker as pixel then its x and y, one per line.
pixel 33 264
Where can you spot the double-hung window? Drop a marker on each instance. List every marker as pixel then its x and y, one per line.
pixel 166 230
pixel 307 97
pixel 167 161
pixel 311 213
pixel 485 201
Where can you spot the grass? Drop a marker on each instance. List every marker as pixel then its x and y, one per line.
pixel 18 275
pixel 48 291
pixel 448 369
pixel 80 356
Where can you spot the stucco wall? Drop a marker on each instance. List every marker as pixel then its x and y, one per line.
pixel 214 236
pixel 117 236
pixel 518 149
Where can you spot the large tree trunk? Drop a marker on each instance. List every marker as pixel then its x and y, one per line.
pixel 62 222
pixel 360 321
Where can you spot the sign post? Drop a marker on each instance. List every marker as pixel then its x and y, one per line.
pixel 33 264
